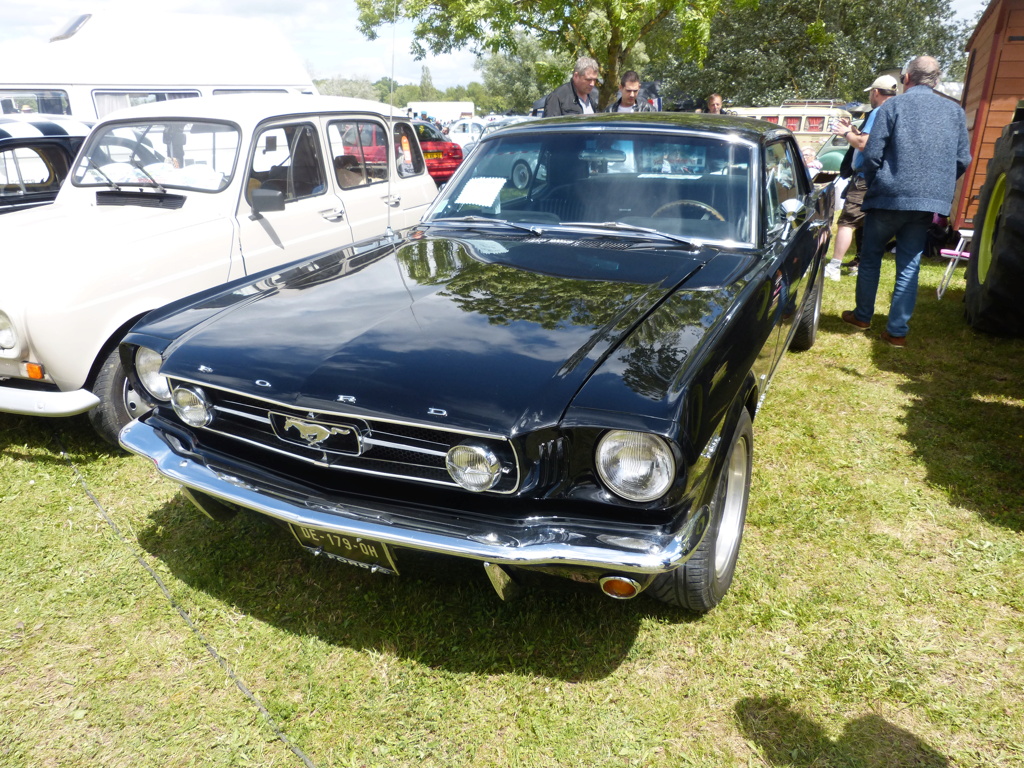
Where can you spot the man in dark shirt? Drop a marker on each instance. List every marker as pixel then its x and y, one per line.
pixel 577 96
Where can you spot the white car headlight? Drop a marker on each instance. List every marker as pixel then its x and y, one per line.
pixel 474 467
pixel 191 405
pixel 8 336
pixel 147 366
pixel 637 466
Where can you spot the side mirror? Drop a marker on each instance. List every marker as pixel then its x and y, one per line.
pixel 264 200
pixel 794 212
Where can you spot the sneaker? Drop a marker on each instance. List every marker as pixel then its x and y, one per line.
pixel 853 270
pixel 894 341
pixel 832 271
pixel 853 263
pixel 848 317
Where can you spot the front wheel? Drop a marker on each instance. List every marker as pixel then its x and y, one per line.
pixel 701 583
pixel 119 402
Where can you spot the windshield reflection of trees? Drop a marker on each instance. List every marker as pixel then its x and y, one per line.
pixel 650 356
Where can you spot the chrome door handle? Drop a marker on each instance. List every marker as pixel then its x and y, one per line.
pixel 393 200
pixel 333 214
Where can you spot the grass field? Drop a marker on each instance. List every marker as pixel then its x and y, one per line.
pixel 876 619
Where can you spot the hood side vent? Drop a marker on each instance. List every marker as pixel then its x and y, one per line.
pixel 145 199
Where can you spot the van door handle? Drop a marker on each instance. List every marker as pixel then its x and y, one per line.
pixel 333 214
pixel 393 200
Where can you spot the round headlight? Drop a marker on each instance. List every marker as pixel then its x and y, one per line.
pixel 8 337
pixel 474 467
pixel 637 466
pixel 147 366
pixel 191 406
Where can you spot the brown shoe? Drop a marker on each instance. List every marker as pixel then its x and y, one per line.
pixel 894 341
pixel 849 318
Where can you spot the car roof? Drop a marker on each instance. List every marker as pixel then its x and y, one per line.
pixel 757 131
pixel 36 125
pixel 248 109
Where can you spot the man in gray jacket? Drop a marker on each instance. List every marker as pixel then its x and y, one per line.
pixel 916 151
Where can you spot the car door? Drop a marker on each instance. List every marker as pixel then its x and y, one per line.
pixel 288 156
pixel 364 171
pixel 792 230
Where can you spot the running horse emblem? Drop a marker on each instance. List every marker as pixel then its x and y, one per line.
pixel 314 434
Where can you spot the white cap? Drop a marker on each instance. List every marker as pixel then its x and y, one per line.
pixel 884 83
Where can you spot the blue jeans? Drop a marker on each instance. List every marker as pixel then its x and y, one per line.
pixel 910 228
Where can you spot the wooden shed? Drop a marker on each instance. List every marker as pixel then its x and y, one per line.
pixel 992 88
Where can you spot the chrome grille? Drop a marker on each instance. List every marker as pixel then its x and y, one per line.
pixel 344 442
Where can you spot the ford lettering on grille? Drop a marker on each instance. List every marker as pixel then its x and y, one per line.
pixel 325 436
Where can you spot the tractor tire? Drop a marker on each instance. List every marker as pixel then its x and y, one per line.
pixel 995 271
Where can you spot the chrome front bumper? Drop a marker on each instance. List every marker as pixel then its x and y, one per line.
pixel 617 550
pixel 29 402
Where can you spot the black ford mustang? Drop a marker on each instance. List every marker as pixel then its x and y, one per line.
pixel 557 370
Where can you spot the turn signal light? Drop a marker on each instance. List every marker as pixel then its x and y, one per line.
pixel 34 371
pixel 619 587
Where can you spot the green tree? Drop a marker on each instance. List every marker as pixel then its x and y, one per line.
pixel 611 31
pixel 359 88
pixel 427 90
pixel 521 77
pixel 794 49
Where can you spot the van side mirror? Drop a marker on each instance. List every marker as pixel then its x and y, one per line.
pixel 264 200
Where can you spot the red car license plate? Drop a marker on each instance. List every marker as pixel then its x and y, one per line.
pixel 432 155
pixel 354 550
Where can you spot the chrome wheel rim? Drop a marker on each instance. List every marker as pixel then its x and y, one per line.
pixel 733 504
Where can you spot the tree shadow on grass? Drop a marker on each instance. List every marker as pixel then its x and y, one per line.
pixel 965 420
pixel 788 738
pixel 441 612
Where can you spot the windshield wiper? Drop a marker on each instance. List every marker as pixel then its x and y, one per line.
pixel 138 166
pixel 622 227
pixel 92 163
pixel 486 220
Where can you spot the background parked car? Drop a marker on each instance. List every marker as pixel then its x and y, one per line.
pixel 35 154
pixel 176 197
pixel 443 155
pixel 557 373
pixel 496 125
pixel 466 130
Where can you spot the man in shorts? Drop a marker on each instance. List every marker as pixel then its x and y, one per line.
pixel 851 218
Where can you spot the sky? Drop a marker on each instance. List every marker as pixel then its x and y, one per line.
pixel 323 32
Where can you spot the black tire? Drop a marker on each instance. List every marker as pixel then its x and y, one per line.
pixel 119 402
pixel 701 583
pixel 995 271
pixel 807 326
pixel 521 174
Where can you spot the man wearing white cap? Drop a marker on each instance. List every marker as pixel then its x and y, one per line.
pixel 852 217
pixel 917 150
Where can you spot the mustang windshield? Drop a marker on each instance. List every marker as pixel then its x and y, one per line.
pixel 171 154
pixel 683 184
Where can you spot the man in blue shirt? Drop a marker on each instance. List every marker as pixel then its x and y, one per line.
pixel 916 151
pixel 851 218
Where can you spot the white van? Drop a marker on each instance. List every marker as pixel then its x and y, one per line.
pixel 91 68
pixel 165 200
pixel 808 120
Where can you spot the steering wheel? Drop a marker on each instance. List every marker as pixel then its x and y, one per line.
pixel 693 204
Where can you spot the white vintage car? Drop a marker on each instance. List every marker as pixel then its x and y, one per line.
pixel 175 197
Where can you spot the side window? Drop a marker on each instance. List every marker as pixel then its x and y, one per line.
pixel 359 151
pixel 288 159
pixel 407 151
pixel 782 182
pixel 26 170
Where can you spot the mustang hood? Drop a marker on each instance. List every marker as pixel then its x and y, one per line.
pixel 492 335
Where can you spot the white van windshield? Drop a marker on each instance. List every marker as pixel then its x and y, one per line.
pixel 172 154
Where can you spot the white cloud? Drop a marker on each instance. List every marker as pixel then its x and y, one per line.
pixel 324 34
